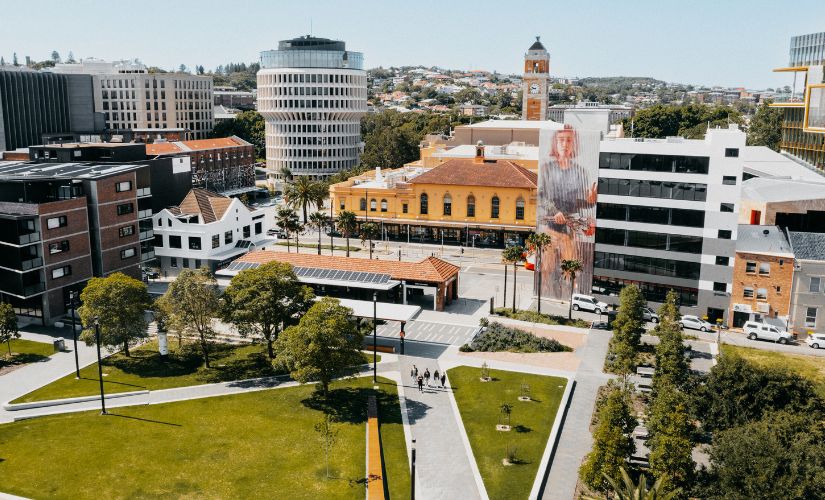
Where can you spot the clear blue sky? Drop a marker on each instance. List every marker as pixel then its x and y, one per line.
pixel 724 42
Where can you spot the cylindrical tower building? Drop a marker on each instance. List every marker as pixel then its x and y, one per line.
pixel 312 93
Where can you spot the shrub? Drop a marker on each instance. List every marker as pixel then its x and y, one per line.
pixel 534 317
pixel 498 337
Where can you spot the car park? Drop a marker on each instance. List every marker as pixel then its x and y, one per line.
pixel 588 303
pixel 815 340
pixel 650 315
pixel 763 331
pixel 696 323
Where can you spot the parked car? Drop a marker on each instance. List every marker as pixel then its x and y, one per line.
pixel 696 323
pixel 588 303
pixel 764 331
pixel 650 315
pixel 816 340
pixel 277 233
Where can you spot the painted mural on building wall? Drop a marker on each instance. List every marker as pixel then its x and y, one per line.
pixel 568 179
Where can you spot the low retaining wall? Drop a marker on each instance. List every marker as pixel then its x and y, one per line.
pixel 68 401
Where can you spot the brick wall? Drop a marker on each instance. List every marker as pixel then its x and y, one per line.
pixel 777 283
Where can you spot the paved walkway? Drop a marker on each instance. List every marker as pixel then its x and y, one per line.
pixel 443 469
pixel 29 377
pixel 575 441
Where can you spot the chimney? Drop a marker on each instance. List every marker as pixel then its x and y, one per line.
pixel 479 152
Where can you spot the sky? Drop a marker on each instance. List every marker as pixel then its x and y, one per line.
pixel 707 42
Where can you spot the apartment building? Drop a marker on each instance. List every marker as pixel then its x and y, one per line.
pixel 808 301
pixel 131 98
pixel 206 230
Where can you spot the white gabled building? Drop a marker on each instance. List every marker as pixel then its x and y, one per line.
pixel 206 230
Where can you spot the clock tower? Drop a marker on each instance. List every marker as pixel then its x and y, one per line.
pixel 536 79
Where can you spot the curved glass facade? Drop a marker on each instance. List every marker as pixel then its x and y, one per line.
pixel 311 59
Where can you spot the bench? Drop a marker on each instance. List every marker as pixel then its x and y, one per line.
pixel 381 348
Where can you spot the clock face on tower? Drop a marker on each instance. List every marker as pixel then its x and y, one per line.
pixel 534 88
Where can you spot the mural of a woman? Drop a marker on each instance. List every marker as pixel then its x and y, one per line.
pixel 568 169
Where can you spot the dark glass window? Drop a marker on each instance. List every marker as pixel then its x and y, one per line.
pixel 247 231
pixel 125 208
pixel 655 163
pixel 159 240
pixel 610 236
pixel 471 206
pixel 726 207
pixel 687 244
pixel 653 292
pixel 494 206
pixel 729 180
pixel 259 228
pixel 227 237
pixel 405 208
pixel 725 234
pixel 424 204
pixel 647 265
pixel 448 205
pixel 720 287
pixel 174 241
pixel 126 231
pixel 59 247
pixel 731 152
pixel 194 243
pixel 722 261
pixel 216 240
pixel 362 204
pixel 519 209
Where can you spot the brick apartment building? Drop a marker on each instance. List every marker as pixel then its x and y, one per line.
pixel 762 276
pixel 223 165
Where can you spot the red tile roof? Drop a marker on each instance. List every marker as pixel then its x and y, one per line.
pixel 491 173
pixel 431 269
pixel 165 148
pixel 210 205
pixel 162 148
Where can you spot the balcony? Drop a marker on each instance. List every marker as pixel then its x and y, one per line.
pixel 146 235
pixel 144 214
pixel 27 265
pixel 144 192
pixel 29 238
pixel 144 256
pixel 34 289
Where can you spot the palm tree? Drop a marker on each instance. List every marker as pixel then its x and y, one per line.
pixel 284 218
pixel 297 226
pixel 302 192
pixel 513 255
pixel 537 241
pixel 318 220
pixel 569 268
pixel 369 231
pixel 628 490
pixel 345 222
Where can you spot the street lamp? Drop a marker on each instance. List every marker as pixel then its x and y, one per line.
pixel 402 337
pixel 375 337
pixel 73 305
pixel 100 368
pixel 412 472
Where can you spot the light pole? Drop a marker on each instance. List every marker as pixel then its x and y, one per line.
pixel 100 368
pixel 375 337
pixel 402 337
pixel 412 472
pixel 73 304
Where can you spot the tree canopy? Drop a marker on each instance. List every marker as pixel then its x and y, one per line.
pixel 612 443
pixel 687 120
pixel 765 128
pixel 193 301
pixel 8 325
pixel 249 126
pixel 118 302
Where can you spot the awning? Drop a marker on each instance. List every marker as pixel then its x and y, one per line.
pixel 384 310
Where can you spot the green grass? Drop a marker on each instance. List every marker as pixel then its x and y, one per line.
pixel 323 247
pixel 810 367
pixel 252 445
pixel 24 351
pixel 146 370
pixel 535 317
pixel 479 404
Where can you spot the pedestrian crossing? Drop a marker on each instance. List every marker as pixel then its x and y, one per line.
pixel 425 331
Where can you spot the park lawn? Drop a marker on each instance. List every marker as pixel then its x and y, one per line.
pixel 253 445
pixel 146 370
pixel 479 402
pixel 810 367
pixel 24 351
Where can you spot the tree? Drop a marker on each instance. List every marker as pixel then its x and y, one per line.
pixel 262 301
pixel 14 59
pixel 612 443
pixel 369 231
pixel 765 128
pixel 118 303
pixel 2 61
pixel 329 435
pixel 194 300
pixel 71 59
pixel 688 120
pixel 512 255
pixel 627 329
pixel 286 220
pixel 780 456
pixel 538 241
pixel 345 222
pixel 672 368
pixel 318 221
pixel 55 56
pixel 182 68
pixel 322 345
pixel 302 192
pixel 570 268
pixel 737 392
pixel 672 438
pixel 249 126
pixel 628 490
pixel 8 325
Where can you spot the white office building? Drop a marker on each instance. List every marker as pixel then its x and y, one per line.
pixel 131 98
pixel 206 230
pixel 312 93
pixel 667 218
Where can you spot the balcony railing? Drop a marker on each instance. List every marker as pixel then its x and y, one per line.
pixel 33 289
pixel 147 235
pixel 31 263
pixel 144 214
pixel 142 192
pixel 26 239
pixel 144 256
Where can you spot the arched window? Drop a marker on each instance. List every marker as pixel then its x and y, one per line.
pixel 383 205
pixel 373 205
pixel 424 209
pixel 448 204
pixel 494 205
pixel 520 208
pixel 363 204
pixel 471 206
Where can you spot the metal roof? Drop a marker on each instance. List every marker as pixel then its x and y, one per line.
pixel 808 246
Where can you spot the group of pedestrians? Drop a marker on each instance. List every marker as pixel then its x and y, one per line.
pixel 424 378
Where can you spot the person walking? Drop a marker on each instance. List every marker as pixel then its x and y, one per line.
pixel 436 378
pixel 420 380
pixel 443 380
pixel 412 374
pixel 427 376
pixel 416 370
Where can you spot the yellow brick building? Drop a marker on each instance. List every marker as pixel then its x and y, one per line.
pixel 463 201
